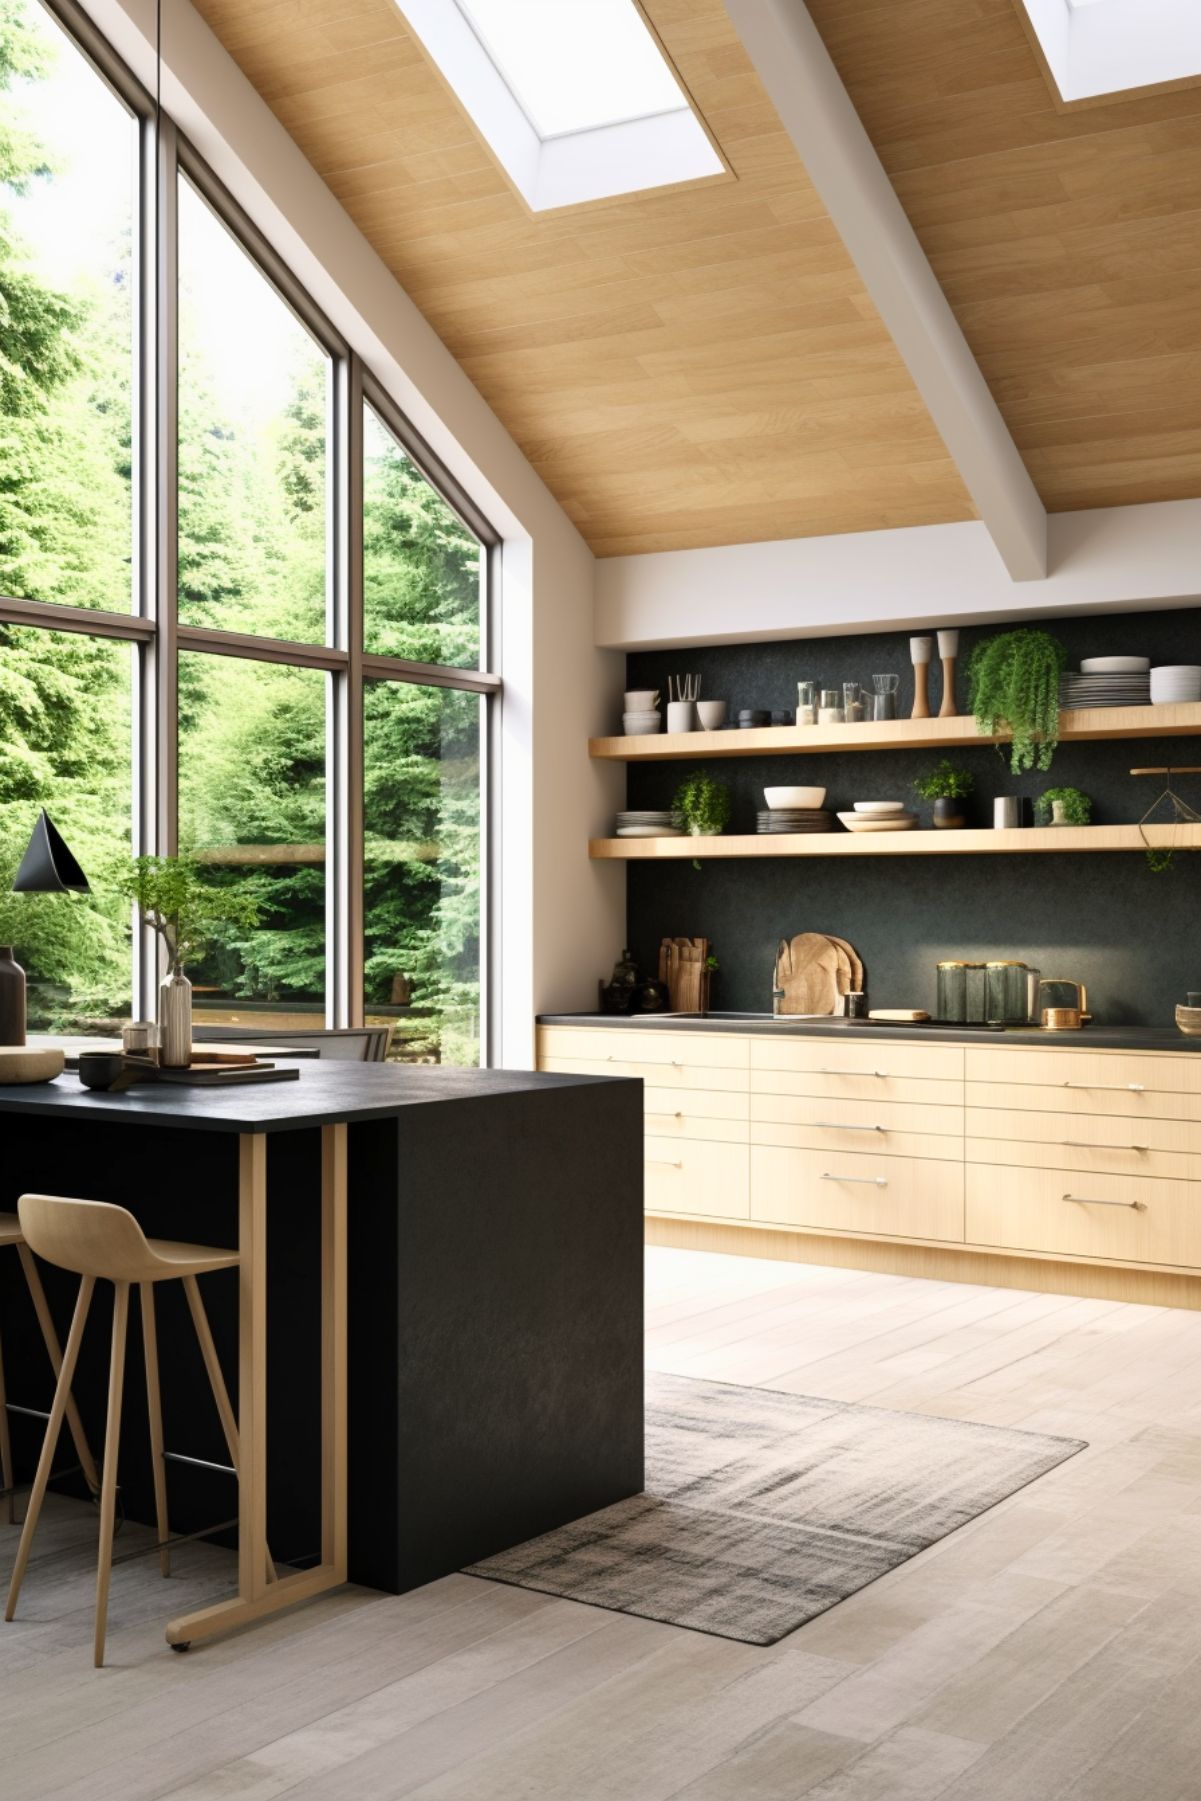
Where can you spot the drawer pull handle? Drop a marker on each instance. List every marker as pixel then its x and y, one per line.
pixel 1093 1200
pixel 880 1073
pixel 828 1125
pixel 1082 1144
pixel 662 1163
pixel 869 1181
pixel 1118 1087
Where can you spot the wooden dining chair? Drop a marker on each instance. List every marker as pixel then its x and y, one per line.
pixel 102 1242
pixel 11 1237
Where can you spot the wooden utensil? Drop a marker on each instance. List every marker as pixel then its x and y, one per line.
pixel 682 967
pixel 807 972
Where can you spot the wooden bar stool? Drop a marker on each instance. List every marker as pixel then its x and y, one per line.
pixel 11 1235
pixel 101 1242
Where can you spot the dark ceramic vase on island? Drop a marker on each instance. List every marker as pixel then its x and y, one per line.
pixel 948 812
pixel 12 998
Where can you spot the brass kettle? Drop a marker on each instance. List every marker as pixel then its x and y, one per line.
pixel 1062 1004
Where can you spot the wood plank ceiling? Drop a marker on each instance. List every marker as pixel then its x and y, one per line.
pixel 1068 242
pixel 695 366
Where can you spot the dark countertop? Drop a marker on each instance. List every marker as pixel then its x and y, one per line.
pixel 324 1094
pixel 1094 1037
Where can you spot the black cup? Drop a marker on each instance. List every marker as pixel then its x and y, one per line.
pixel 100 1069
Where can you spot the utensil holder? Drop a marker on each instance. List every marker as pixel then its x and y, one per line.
pixel 681 716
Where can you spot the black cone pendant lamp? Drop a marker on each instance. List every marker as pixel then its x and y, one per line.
pixel 48 866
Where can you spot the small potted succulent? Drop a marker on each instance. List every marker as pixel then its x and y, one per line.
pixel 703 805
pixel 948 787
pixel 1063 806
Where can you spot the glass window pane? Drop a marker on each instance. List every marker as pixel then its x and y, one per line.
pixel 421 900
pixel 253 406
pixel 65 745
pixel 252 807
pixel 67 160
pixel 421 565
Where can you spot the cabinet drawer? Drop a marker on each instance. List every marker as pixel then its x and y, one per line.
pixel 689 1078
pixel 849 1085
pixel 684 1176
pixel 1112 1073
pixel 1119 1217
pixel 878 1141
pixel 714 1103
pixel 1086 1103
pixel 831 1057
pixel 682 1123
pixel 894 1116
pixel 645 1044
pixel 902 1197
pixel 1105 1143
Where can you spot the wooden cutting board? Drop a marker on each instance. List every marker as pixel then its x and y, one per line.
pixel 807 969
pixel 854 961
pixel 682 966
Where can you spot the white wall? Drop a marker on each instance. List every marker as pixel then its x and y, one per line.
pixel 1108 560
pixel 560 917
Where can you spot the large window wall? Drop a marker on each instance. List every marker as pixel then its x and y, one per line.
pixel 243 612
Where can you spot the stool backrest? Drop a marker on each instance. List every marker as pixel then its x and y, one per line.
pixel 91 1238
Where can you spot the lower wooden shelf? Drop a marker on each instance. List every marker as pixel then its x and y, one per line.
pixel 918 843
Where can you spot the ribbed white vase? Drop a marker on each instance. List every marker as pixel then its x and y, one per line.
pixel 175 1021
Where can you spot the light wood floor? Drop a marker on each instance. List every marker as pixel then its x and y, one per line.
pixel 1051 1649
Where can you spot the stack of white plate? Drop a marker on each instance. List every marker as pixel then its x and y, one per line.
pixel 879 816
pixel 637 723
pixel 648 824
pixel 1107 682
pixel 1175 681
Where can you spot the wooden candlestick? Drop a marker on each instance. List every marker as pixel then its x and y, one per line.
pixel 948 650
pixel 919 652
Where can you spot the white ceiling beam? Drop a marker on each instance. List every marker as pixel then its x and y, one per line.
pixel 840 159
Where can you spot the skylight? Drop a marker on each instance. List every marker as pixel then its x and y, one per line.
pixel 575 97
pixel 1096 47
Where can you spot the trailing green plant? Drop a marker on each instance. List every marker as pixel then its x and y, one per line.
pixel 184 909
pixel 945 782
pixel 1013 681
pixel 703 804
pixel 1075 806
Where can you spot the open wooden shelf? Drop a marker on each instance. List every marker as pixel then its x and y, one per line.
pixel 1180 720
pixel 920 842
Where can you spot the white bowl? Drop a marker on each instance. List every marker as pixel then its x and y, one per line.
pixel 1177 683
pixel 637 728
pixel 794 797
pixel 879 806
pixel 641 700
pixel 1115 665
pixel 712 714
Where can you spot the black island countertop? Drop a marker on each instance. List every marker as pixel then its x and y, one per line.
pixel 1092 1037
pixel 324 1093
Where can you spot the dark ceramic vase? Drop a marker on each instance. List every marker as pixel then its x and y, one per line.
pixel 12 998
pixel 948 812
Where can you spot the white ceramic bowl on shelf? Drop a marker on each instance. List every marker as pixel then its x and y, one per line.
pixel 879 807
pixel 1114 665
pixel 1175 681
pixel 636 724
pixel 794 797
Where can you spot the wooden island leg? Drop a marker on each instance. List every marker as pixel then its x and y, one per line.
pixel 257 1595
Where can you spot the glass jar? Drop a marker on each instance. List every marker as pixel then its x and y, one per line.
pixel 853 709
pixel 806 703
pixel 976 995
pixel 951 1004
pixel 885 698
pixel 1006 999
pixel 829 710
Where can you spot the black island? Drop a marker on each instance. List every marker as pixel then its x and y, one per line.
pixel 441 1285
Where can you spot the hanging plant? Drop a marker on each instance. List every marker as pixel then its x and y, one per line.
pixel 1013 680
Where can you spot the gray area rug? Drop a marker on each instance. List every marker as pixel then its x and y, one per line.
pixel 763 1509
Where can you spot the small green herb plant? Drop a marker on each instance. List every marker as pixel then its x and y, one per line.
pixel 703 805
pixel 945 782
pixel 1076 807
pixel 184 909
pixel 1013 680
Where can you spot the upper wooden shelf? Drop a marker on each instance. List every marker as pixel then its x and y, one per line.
pixel 918 842
pixel 1182 719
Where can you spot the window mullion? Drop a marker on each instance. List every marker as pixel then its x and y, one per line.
pixel 344 760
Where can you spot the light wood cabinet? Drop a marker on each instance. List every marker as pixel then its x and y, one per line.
pixel 1000 1153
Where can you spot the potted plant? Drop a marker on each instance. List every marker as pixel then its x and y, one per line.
pixel 703 805
pixel 1063 806
pixel 184 910
pixel 1014 685
pixel 948 787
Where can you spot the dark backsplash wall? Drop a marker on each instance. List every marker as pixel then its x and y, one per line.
pixel 1102 918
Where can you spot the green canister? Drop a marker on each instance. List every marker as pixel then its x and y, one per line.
pixel 1006 1000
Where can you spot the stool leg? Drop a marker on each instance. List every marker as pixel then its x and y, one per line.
pixel 108 1481
pixel 208 1351
pixel 37 1295
pixel 54 1426
pixel 154 1408
pixel 6 1448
